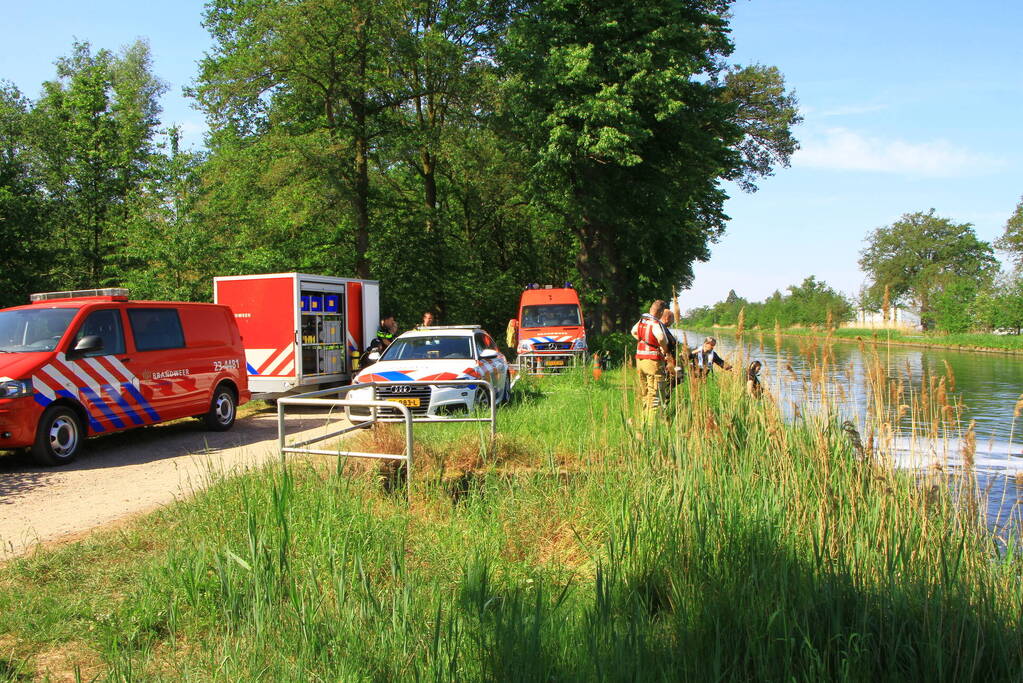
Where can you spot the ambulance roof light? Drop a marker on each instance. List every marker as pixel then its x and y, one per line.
pixel 113 292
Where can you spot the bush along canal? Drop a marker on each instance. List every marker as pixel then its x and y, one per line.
pixel 728 539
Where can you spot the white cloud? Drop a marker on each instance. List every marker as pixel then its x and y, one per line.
pixel 842 149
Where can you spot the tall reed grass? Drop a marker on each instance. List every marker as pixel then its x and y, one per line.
pixel 715 542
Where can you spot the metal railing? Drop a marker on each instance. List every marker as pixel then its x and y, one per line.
pixel 533 363
pixel 334 398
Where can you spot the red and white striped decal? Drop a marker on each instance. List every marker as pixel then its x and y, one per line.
pixel 274 362
pixel 102 385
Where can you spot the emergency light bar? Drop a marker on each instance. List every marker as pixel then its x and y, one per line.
pixel 449 327
pixel 116 292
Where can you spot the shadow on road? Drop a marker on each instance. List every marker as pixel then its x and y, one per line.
pixel 19 474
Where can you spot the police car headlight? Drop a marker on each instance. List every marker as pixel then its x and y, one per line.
pixel 579 343
pixel 15 388
pixel 524 347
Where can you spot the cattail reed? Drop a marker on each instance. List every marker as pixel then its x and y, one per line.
pixel 970 444
pixel 886 305
pixel 740 325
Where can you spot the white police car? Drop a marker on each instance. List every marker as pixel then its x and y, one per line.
pixel 436 353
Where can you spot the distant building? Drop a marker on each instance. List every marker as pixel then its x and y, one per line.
pixel 899 319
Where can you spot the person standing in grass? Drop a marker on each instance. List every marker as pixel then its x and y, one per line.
pixel 704 358
pixel 651 351
pixel 672 363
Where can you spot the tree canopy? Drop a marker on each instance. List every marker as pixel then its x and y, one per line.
pixel 453 149
pixel 812 302
pixel 922 254
pixel 1011 240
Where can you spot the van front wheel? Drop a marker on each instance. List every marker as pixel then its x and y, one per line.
pixel 223 409
pixel 58 437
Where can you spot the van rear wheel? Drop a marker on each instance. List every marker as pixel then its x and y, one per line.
pixel 59 436
pixel 223 409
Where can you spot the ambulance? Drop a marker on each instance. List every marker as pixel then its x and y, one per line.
pixel 81 363
pixel 300 330
pixel 551 336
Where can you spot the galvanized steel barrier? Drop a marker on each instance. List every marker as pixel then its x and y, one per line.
pixel 333 398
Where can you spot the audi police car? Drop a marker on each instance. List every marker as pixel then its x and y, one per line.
pixel 76 364
pixel 436 353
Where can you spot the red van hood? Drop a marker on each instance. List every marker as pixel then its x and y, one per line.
pixel 22 365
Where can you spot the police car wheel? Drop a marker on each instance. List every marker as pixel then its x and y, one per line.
pixel 481 401
pixel 223 409
pixel 59 436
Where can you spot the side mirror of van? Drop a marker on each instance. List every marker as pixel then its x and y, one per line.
pixel 486 354
pixel 373 356
pixel 88 344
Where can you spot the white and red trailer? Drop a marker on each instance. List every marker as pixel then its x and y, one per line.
pixel 299 330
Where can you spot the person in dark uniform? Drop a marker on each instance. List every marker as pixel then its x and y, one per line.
pixel 385 335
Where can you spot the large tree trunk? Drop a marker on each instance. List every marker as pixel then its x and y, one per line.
pixel 361 196
pixel 361 184
pixel 587 260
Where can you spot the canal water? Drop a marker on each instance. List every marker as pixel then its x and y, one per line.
pixel 977 387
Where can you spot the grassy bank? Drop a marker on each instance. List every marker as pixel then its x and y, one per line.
pixel 587 544
pixel 967 342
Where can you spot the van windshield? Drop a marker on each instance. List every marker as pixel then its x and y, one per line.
pixel 27 330
pixel 551 315
pixel 428 348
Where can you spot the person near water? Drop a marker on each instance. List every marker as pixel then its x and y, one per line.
pixel 651 351
pixel 673 370
pixel 704 358
pixel 753 386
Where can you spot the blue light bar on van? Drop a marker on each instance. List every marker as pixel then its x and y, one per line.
pixel 78 294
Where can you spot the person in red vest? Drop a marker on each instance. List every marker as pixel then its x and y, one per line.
pixel 651 351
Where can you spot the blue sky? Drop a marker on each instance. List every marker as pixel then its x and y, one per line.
pixel 908 105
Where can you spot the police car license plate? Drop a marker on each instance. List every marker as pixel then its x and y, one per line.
pixel 408 402
pixel 555 362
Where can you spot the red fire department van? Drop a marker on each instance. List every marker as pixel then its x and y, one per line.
pixel 551 336
pixel 76 364
pixel 300 330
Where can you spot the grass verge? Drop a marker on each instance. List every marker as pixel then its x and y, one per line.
pixel 588 543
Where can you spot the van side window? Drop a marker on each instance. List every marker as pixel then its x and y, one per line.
pixel 106 325
pixel 156 328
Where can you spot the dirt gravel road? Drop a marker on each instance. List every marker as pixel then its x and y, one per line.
pixel 125 474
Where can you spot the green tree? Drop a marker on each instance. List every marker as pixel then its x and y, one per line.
pixel 919 255
pixel 164 252
pixel 309 87
pixel 999 306
pixel 954 310
pixel 93 131
pixel 633 121
pixel 1011 240
pixel 23 229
